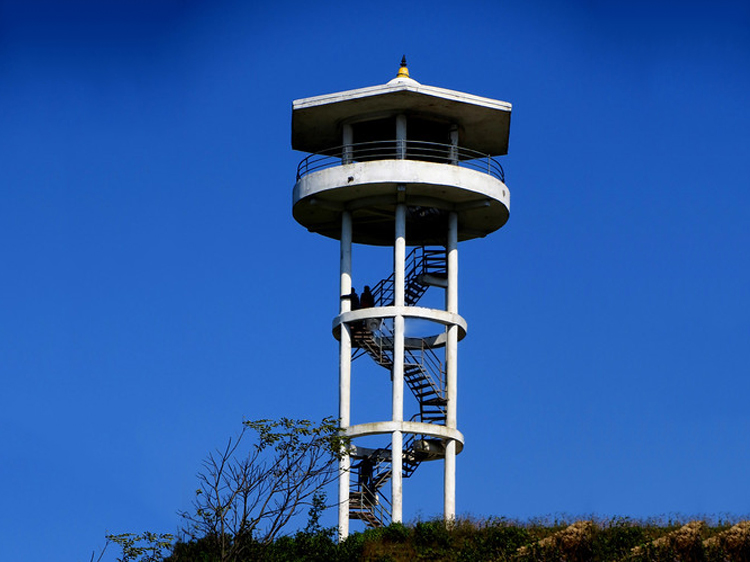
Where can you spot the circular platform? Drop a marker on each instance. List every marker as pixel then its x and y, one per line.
pixel 417 428
pixel 371 190
pixel 418 312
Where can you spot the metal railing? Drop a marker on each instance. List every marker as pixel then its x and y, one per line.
pixel 427 360
pixel 431 365
pixel 379 506
pixel 368 496
pixel 402 150
pixel 383 291
pixel 419 261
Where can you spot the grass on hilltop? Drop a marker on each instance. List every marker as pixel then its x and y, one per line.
pixel 499 539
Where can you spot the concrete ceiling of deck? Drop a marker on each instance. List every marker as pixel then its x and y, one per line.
pixel 484 123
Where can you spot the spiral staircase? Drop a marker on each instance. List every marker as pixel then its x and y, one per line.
pixel 424 374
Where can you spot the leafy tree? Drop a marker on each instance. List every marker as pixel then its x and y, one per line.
pixel 248 494
pixel 146 547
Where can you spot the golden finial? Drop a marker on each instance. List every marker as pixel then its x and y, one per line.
pixel 403 72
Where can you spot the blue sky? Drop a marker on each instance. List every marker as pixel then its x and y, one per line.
pixel 156 290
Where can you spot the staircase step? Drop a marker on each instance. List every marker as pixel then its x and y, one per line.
pixel 423 389
pixel 366 516
pixel 418 387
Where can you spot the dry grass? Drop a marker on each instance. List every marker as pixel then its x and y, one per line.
pixel 568 540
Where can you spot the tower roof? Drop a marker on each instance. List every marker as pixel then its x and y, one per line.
pixel 484 122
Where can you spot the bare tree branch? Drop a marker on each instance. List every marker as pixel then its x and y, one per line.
pixel 252 491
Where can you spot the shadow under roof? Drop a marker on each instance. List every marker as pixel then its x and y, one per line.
pixel 484 122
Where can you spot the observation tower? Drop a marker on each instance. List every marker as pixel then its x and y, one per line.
pixel 410 167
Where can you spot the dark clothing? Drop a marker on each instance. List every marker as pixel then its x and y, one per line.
pixel 366 484
pixel 353 299
pixel 367 300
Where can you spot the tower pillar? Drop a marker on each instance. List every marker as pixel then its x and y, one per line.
pixel 451 368
pixel 399 269
pixel 345 367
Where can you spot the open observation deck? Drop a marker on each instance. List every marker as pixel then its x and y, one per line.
pixel 402 142
pixel 431 185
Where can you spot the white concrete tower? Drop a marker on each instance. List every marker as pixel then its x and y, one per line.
pixel 410 167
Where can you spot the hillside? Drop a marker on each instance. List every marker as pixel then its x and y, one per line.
pixel 505 540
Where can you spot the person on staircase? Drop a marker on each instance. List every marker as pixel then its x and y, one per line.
pixel 367 300
pixel 366 484
pixel 354 301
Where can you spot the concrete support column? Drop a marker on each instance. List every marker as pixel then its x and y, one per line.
pixel 399 261
pixel 348 139
pixel 451 367
pixel 401 137
pixel 345 367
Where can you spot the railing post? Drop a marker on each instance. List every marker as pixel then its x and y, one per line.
pixel 348 137
pixel 454 145
pixel 401 137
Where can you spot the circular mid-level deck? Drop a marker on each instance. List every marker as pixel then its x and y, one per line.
pixel 409 427
pixel 415 312
pixel 371 190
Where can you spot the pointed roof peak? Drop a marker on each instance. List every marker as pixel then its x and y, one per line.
pixel 403 70
pixel 403 75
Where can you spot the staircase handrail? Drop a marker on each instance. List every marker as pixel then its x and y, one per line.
pixel 430 363
pixel 380 509
pixel 383 290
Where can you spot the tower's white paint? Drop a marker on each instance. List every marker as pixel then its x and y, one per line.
pixel 411 167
